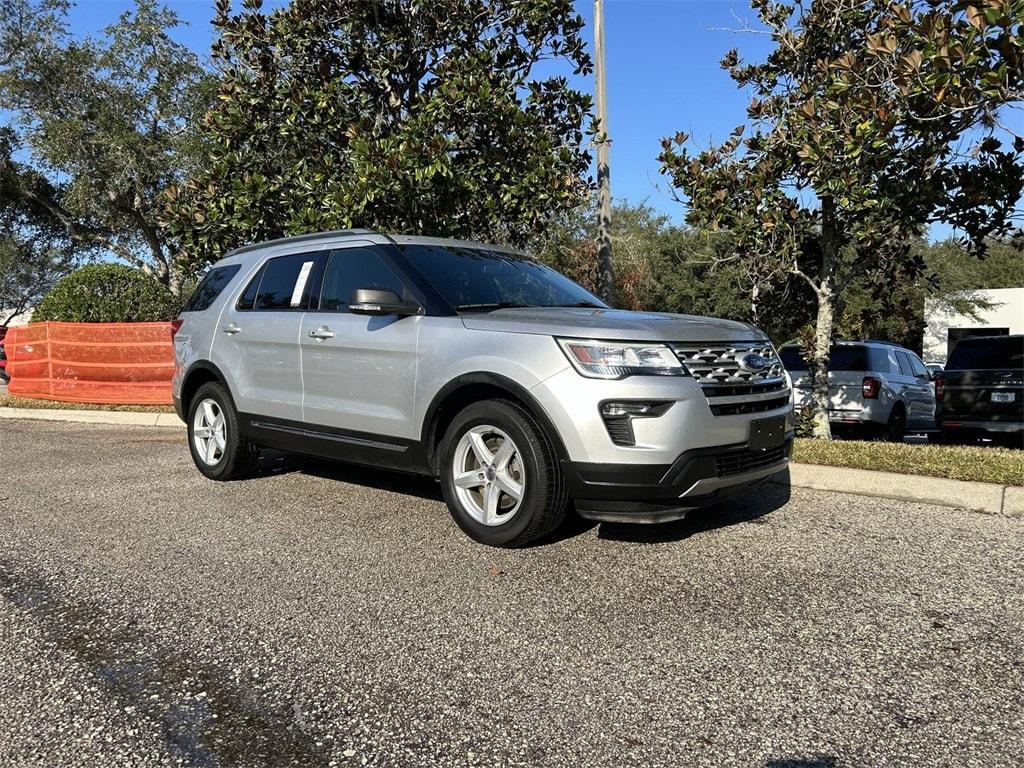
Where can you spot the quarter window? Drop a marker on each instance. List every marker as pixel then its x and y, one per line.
pixel 210 287
pixel 353 268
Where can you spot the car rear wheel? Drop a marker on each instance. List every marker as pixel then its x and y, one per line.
pixel 896 428
pixel 218 448
pixel 500 475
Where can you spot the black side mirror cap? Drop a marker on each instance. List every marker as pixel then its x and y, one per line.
pixel 374 301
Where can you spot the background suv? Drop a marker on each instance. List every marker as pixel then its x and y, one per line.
pixel 875 388
pixel 981 391
pixel 507 381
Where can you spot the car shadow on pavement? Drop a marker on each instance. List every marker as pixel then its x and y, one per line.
pixel 752 507
pixel 273 463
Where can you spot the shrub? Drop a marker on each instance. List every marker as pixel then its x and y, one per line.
pixel 108 293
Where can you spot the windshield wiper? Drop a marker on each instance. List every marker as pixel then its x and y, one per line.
pixel 589 304
pixel 488 306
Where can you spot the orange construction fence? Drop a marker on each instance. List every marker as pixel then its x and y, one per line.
pixel 129 363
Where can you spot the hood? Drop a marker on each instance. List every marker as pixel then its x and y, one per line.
pixel 609 324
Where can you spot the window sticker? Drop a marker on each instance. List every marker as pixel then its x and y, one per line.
pixel 300 283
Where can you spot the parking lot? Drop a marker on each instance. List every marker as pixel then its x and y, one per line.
pixel 328 615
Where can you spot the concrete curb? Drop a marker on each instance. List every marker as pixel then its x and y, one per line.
pixel 980 497
pixel 123 418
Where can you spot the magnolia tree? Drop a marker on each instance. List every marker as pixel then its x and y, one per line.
pixel 444 117
pixel 871 120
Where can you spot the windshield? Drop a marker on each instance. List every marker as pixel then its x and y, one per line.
pixel 478 279
pixel 987 353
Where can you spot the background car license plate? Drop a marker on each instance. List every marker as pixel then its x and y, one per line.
pixel 767 433
pixel 1004 397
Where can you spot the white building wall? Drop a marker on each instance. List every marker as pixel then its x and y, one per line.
pixel 1007 312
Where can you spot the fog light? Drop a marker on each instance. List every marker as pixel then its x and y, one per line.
pixel 618 416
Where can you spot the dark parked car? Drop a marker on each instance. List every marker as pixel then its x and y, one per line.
pixel 981 392
pixel 3 356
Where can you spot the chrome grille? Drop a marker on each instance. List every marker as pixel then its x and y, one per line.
pixel 731 388
pixel 720 363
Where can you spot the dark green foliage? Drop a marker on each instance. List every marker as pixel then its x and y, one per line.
pixel 108 293
pixel 416 116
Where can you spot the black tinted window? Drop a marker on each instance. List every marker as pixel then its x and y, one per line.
pixel 471 278
pixel 286 282
pixel 792 360
pixel 353 268
pixel 248 298
pixel 210 287
pixel 904 362
pixel 845 357
pixel 987 353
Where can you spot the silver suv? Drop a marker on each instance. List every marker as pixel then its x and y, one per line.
pixel 876 389
pixel 508 382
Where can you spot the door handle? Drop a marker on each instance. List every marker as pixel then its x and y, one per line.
pixel 231 329
pixel 323 332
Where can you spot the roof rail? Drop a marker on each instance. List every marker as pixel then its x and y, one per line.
pixel 881 341
pixel 299 239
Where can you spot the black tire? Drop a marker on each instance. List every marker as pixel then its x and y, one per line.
pixel 543 503
pixel 896 428
pixel 239 456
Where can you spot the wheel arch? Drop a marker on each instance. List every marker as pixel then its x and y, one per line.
pixel 474 387
pixel 200 372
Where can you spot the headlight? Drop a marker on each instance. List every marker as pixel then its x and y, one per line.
pixel 616 360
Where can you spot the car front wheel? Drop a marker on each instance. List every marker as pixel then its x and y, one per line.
pixel 500 475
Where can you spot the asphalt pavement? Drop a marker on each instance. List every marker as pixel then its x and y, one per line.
pixel 323 615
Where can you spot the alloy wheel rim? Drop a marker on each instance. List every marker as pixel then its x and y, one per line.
pixel 488 474
pixel 209 432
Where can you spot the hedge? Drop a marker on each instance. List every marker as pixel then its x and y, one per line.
pixel 108 293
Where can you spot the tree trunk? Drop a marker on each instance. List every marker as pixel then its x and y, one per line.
pixel 825 291
pixel 820 363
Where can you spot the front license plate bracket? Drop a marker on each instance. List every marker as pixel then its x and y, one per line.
pixel 767 433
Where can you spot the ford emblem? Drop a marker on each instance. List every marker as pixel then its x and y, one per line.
pixel 754 362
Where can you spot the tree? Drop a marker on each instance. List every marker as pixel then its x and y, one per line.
pixel 106 126
pixel 871 121
pixel 415 116
pixel 28 269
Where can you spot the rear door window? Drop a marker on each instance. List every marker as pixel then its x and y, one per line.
pixel 284 283
pixel 906 369
pixel 210 287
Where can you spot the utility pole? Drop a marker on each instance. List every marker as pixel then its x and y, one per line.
pixel 605 273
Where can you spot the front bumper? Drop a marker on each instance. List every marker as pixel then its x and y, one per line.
pixel 659 493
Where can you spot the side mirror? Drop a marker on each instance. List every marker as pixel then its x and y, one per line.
pixel 373 301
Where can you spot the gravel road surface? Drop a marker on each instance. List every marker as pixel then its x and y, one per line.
pixel 324 615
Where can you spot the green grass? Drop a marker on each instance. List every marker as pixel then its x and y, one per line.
pixel 985 464
pixel 12 401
